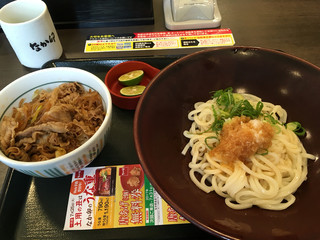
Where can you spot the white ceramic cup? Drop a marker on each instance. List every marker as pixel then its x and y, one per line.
pixel 28 26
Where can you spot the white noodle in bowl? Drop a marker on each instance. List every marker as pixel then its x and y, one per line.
pixel 268 179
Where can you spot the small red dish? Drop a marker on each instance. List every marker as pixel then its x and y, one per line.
pixel 112 83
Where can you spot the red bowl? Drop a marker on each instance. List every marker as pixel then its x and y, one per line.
pixel 111 80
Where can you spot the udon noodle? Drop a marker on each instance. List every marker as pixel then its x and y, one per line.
pixel 249 160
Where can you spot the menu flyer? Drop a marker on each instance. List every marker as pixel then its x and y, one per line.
pixel 116 197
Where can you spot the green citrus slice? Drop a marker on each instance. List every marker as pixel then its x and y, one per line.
pixel 131 78
pixel 132 90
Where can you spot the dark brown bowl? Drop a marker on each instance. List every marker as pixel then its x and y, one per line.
pixel 161 118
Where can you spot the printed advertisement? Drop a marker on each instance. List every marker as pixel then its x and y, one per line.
pixel 159 40
pixel 116 197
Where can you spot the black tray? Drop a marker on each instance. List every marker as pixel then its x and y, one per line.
pixel 35 208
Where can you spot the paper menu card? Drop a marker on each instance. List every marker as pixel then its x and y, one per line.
pixel 116 197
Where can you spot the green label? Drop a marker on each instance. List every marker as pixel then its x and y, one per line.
pixel 149 201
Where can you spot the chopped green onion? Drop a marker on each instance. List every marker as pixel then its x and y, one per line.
pixel 259 108
pixel 268 117
pixel 296 128
pixel 231 104
pixel 263 152
pixel 206 141
pixel 35 114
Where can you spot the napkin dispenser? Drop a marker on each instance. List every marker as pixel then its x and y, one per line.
pixel 191 14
